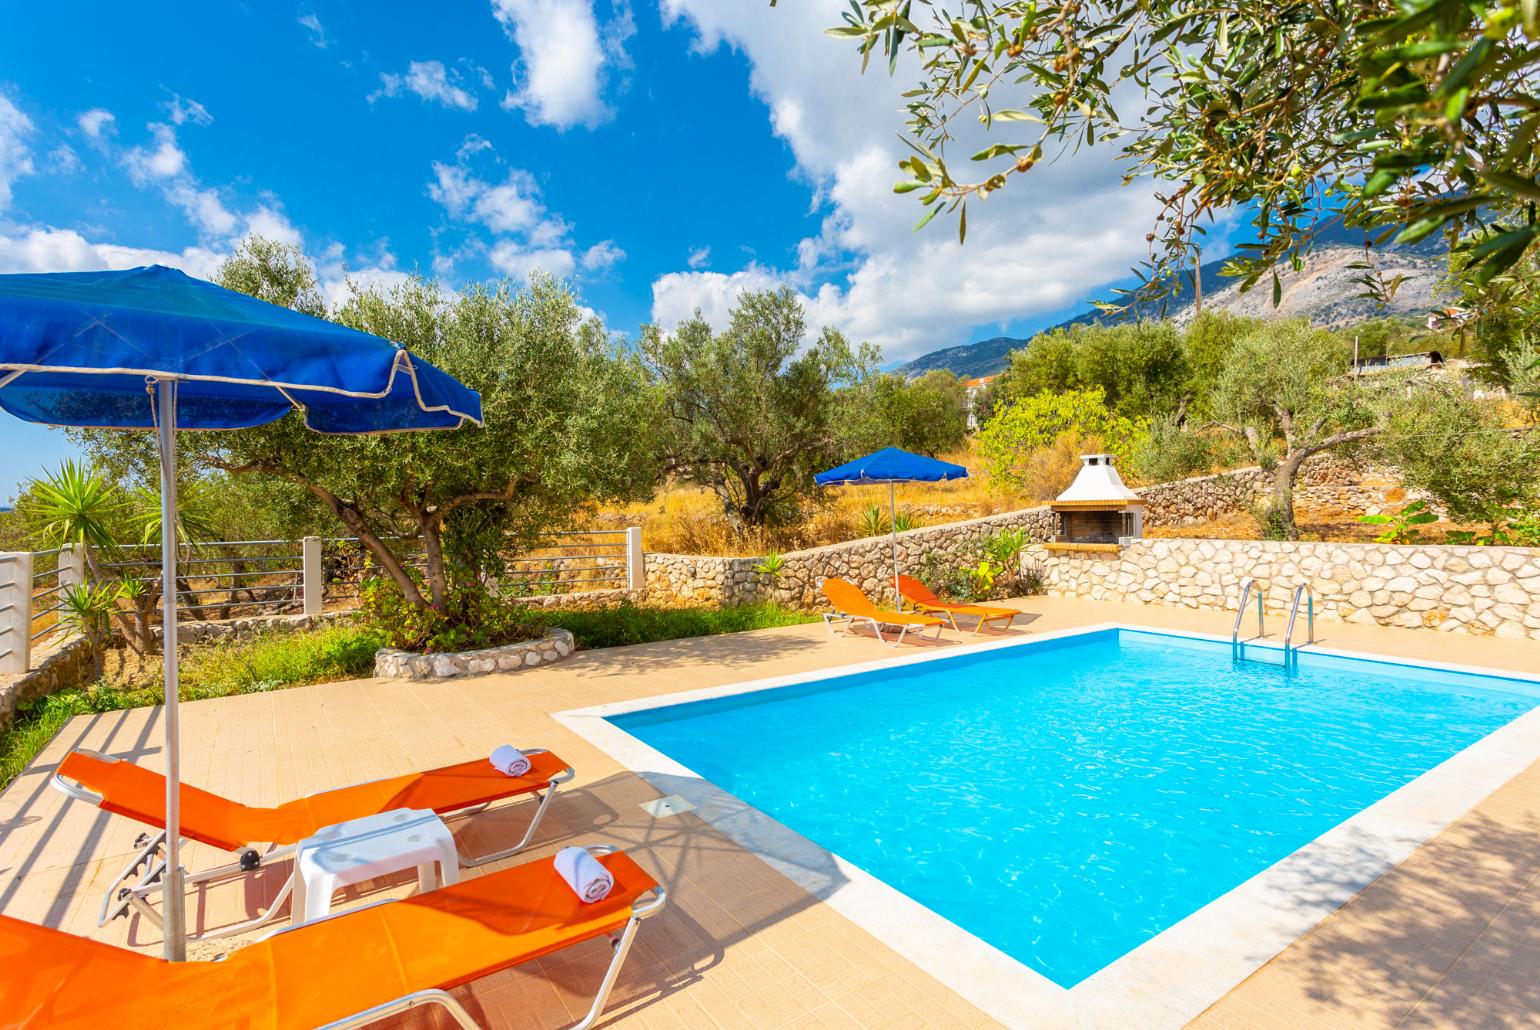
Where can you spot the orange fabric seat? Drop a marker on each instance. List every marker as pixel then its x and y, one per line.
pixel 321 972
pixel 127 789
pixel 848 598
pixel 922 597
pixel 851 603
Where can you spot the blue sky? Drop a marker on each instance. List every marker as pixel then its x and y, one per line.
pixel 662 155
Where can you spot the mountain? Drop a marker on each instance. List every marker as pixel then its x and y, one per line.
pixel 984 358
pixel 1322 290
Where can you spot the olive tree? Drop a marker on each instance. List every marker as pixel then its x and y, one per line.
pixel 750 413
pixel 1285 390
pixel 1408 118
pixel 567 425
pixel 927 414
pixel 1461 453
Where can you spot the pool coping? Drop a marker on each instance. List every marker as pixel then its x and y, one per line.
pixel 1170 978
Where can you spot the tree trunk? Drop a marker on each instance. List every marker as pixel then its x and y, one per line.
pixel 433 544
pixel 1282 506
pixel 366 536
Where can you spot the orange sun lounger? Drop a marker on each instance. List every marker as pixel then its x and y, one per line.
pixel 921 596
pixel 346 970
pixel 123 788
pixel 851 605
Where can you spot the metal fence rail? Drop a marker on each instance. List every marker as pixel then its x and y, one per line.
pixel 229 578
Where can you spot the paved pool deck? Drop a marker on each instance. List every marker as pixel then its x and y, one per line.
pixel 1449 937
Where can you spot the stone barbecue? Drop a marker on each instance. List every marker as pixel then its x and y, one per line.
pixel 1098 512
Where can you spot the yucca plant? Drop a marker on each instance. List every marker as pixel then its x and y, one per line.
pixel 73 506
pixel 771 564
pixel 904 521
pixel 87 609
pixel 874 521
pixel 1005 545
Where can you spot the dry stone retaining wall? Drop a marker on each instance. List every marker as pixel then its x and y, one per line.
pixel 66 665
pixel 1479 590
pixel 1327 483
pixel 701 579
pixel 553 647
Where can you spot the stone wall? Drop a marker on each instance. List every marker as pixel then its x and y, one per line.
pixel 64 666
pixel 702 579
pixel 1477 590
pixel 553 647
pixel 251 626
pixel 1327 484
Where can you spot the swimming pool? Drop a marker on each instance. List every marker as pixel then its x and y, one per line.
pixel 1067 800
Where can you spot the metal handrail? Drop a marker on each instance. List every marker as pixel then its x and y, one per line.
pixel 1303 590
pixel 1240 613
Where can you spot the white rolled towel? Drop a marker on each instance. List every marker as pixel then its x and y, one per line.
pixel 588 879
pixel 510 761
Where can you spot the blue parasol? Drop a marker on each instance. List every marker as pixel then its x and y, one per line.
pixel 891 465
pixel 153 348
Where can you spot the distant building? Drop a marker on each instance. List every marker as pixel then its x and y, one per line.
pixel 973 386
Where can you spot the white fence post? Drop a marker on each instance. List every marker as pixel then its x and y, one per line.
pixel 636 568
pixel 313 576
pixel 72 567
pixel 15 611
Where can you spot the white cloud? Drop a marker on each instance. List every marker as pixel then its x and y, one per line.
pixel 510 206
pixel 274 225
pixel 63 159
pixel 97 124
pixel 517 261
pixel 699 257
pixel 677 295
pixel 1052 238
pixel 165 167
pixel 46 249
pixel 563 66
pixel 15 157
pixel 317 31
pixel 430 80
pixel 201 206
pixel 601 255
pixel 184 109
pixel 524 234
pixel 165 161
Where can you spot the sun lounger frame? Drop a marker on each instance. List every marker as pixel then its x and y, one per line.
pixel 620 944
pixel 122 895
pixel 830 618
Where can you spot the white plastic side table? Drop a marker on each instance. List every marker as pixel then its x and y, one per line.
pixel 361 849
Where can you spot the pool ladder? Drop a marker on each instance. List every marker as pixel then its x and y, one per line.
pixel 1247 588
pixel 1290 652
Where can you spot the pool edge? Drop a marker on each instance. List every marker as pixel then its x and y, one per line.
pixel 1169 979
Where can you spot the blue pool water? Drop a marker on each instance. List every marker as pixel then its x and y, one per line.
pixel 1067 800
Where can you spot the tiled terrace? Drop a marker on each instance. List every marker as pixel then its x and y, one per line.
pixel 1448 938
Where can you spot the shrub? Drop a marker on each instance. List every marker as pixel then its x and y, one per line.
pixel 628 623
pixel 1169 452
pixel 470 618
pixel 1009 442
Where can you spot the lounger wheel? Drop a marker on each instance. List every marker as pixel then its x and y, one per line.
pixel 250 860
pixel 141 840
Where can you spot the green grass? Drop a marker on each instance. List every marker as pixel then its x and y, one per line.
pixel 629 623
pixel 277 660
pixel 268 662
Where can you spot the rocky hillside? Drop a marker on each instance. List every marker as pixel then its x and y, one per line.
pixel 1323 290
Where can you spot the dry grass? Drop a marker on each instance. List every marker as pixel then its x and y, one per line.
pixel 1315 526
pixel 688 520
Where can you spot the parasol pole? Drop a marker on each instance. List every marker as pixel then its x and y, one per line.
pixel 171 883
pixel 898 600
